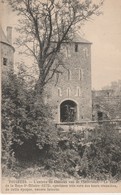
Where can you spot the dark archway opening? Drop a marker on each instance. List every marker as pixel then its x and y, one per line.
pixel 68 111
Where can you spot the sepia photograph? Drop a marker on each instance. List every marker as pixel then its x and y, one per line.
pixel 60 96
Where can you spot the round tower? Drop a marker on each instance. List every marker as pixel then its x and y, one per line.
pixel 7 52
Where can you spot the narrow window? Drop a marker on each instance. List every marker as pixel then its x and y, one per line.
pixel 57 75
pixel 69 75
pixel 76 47
pixel 68 91
pixel 80 74
pixel 5 61
pixel 59 92
pixel 77 92
pixel 69 50
pixel 85 50
pixel 66 52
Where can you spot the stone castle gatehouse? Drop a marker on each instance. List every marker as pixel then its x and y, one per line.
pixel 71 95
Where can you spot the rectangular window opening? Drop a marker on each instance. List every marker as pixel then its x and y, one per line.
pixel 76 47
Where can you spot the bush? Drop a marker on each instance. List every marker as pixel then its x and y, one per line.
pixel 107 146
pixel 27 128
pixel 98 159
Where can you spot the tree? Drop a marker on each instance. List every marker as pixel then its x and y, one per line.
pixel 27 128
pixel 45 25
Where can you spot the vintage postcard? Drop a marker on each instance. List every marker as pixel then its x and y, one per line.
pixel 60 96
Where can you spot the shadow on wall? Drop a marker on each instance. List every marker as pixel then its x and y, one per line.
pixel 68 111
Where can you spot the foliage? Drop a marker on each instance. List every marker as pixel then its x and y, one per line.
pixel 45 25
pixel 107 147
pixel 26 124
pixel 9 90
pixel 29 137
pixel 98 159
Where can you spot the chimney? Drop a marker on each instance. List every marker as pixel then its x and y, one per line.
pixel 9 34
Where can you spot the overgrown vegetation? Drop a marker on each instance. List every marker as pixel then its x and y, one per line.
pixel 32 144
pixel 25 121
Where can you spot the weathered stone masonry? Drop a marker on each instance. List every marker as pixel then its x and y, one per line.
pixel 73 90
pixel 7 52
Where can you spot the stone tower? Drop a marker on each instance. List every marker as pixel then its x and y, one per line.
pixel 6 52
pixel 71 96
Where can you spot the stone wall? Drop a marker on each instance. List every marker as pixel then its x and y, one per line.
pixel 7 52
pixel 74 83
pixel 108 102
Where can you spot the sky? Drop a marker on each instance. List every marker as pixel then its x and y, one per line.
pixel 104 32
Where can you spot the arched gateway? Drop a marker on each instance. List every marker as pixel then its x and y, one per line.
pixel 68 111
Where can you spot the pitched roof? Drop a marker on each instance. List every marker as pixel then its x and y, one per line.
pixel 77 38
pixel 3 37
